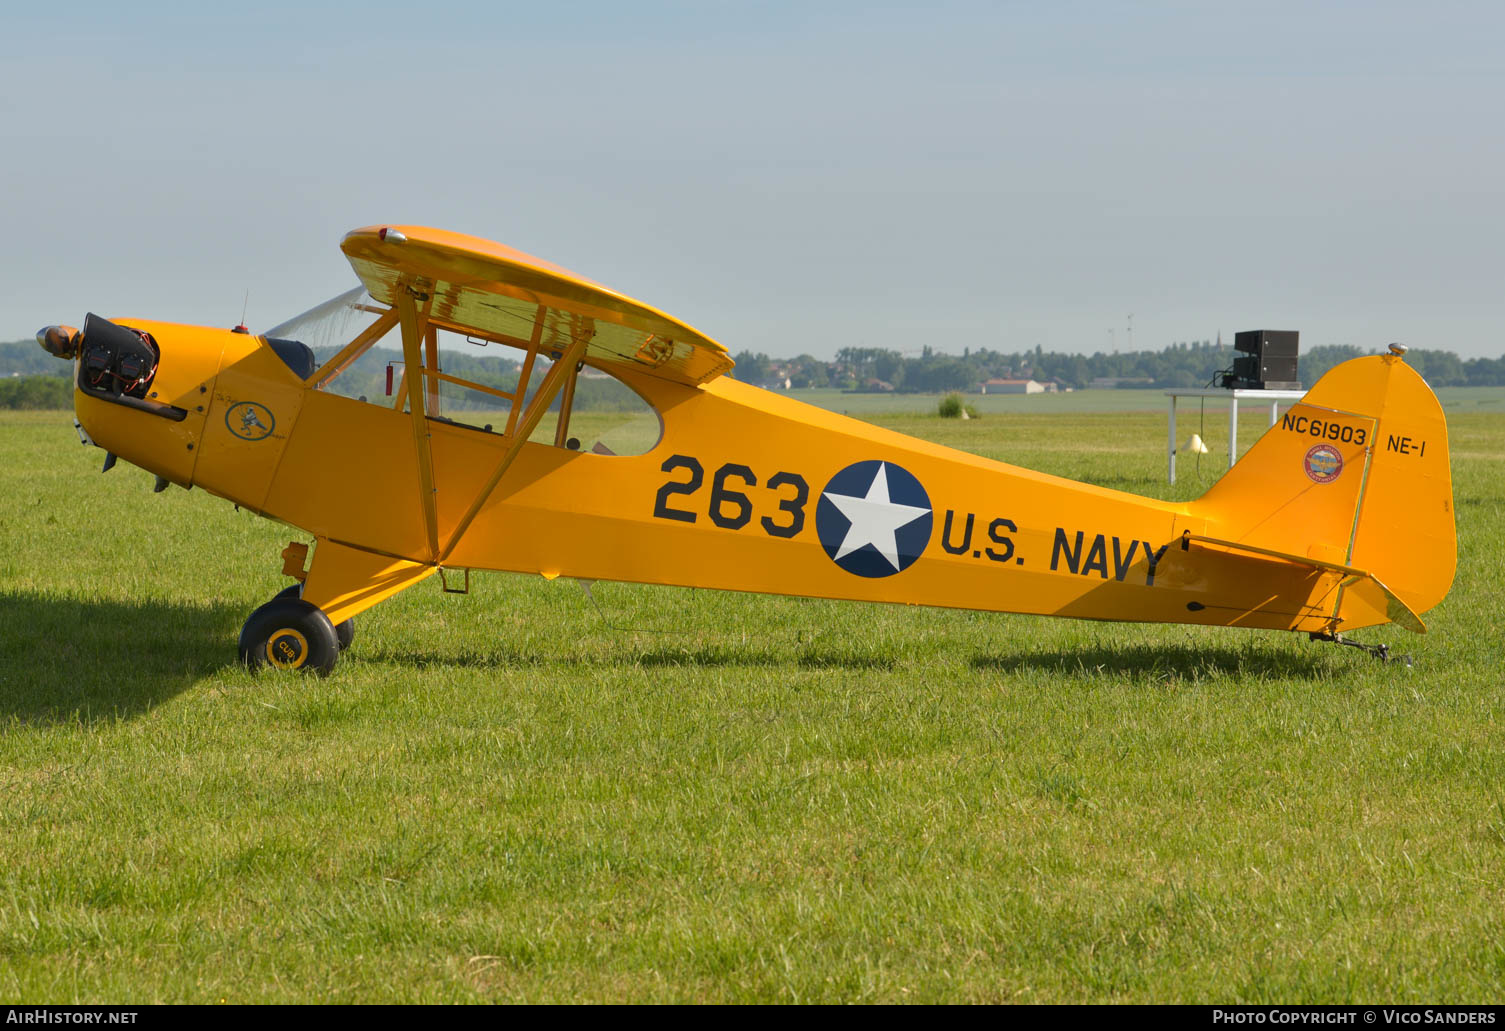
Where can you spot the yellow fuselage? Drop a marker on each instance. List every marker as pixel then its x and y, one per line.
pixel 749 490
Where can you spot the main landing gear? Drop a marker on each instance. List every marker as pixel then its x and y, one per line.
pixel 289 633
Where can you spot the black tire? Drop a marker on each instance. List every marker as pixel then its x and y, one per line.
pixel 343 632
pixel 289 633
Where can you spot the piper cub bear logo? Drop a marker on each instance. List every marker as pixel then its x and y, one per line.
pixel 250 421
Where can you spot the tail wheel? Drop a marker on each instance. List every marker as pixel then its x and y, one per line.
pixel 289 633
pixel 345 631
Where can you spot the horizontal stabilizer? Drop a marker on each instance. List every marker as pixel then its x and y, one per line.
pixel 1355 579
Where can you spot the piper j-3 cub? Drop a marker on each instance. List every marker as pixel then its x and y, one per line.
pixel 462 451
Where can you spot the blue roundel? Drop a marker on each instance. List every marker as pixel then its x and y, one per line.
pixel 873 519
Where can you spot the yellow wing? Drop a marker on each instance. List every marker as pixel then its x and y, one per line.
pixel 482 286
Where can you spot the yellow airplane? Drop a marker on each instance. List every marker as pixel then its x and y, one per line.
pixel 1340 517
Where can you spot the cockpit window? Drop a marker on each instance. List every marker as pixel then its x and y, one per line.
pixel 324 332
pixel 480 383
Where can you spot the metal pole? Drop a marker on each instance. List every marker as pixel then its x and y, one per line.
pixel 1233 430
pixel 1170 442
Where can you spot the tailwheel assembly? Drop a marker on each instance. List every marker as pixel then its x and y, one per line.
pixel 1378 651
pixel 289 633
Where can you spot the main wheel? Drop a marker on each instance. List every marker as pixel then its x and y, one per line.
pixel 345 631
pixel 289 633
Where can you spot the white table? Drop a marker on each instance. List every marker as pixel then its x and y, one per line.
pixel 1273 397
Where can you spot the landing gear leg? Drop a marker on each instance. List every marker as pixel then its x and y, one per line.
pixel 294 629
pixel 1378 651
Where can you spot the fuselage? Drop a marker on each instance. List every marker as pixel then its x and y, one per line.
pixel 745 490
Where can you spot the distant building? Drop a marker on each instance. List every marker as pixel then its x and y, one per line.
pixel 1017 386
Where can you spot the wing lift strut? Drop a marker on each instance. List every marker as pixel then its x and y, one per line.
pixel 415 331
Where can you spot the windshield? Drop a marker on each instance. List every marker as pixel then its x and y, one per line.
pixel 334 323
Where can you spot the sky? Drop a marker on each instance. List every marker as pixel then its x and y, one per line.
pixel 788 178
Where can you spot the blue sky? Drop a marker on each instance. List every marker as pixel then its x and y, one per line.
pixel 786 177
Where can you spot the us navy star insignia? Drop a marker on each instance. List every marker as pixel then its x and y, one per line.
pixel 887 518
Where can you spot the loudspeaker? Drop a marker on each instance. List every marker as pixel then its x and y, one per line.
pixel 1268 360
pixel 1253 367
pixel 1263 342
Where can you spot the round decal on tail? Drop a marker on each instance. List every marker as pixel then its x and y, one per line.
pixel 1323 463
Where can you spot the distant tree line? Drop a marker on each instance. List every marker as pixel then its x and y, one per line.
pixel 1179 365
pixel 46 393
pixel 42 381
pixel 25 357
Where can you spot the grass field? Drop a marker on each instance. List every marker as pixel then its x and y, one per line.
pixel 509 796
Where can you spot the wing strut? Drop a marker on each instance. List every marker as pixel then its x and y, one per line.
pixel 412 334
pixel 522 379
pixel 563 371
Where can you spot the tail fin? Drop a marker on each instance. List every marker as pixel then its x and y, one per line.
pixel 1356 474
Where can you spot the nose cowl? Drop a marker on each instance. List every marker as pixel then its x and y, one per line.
pixel 144 388
pixel 117 360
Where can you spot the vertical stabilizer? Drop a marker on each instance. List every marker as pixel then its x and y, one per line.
pixel 1355 474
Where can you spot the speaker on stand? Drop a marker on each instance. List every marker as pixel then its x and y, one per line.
pixel 1266 360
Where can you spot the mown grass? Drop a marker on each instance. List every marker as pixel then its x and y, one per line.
pixel 694 796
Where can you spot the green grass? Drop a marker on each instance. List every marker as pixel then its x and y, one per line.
pixel 738 798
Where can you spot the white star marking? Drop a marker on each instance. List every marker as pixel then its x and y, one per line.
pixel 875 519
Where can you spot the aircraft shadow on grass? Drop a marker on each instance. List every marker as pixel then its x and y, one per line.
pixel 1161 662
pixel 1146 662
pixel 707 656
pixel 65 660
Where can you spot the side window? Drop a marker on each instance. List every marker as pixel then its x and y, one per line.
pixel 477 382
pixel 467 381
pixel 365 379
pixel 609 417
pixel 599 413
